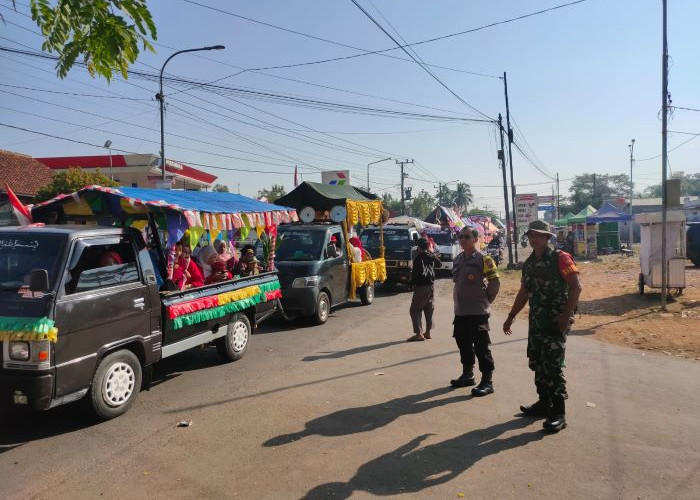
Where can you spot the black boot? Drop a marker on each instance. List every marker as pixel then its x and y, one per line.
pixel 485 387
pixel 541 408
pixel 464 380
pixel 556 420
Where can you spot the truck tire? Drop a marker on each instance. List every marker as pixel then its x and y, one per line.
pixel 367 294
pixel 234 344
pixel 323 309
pixel 116 384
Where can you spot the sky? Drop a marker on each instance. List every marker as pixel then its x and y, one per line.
pixel 583 81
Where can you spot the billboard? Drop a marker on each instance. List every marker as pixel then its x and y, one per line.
pixel 336 177
pixel 525 210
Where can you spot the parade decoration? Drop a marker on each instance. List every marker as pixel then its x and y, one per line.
pixel 13 328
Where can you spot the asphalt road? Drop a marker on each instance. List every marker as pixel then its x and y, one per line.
pixel 350 410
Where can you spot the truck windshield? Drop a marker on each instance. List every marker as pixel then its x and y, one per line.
pixel 298 245
pixel 442 239
pixel 393 238
pixel 22 252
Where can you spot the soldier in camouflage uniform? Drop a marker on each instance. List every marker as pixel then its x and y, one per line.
pixel 551 285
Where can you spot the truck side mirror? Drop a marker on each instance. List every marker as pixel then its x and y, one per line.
pixel 39 280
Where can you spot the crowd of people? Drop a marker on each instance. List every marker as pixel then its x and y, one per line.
pixel 211 264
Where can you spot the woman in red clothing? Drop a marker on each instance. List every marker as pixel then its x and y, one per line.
pixel 187 274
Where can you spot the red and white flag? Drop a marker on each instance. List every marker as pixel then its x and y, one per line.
pixel 296 178
pixel 21 212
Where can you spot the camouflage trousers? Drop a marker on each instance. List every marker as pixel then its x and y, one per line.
pixel 546 348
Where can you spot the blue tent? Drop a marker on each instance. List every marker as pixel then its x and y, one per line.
pixel 608 213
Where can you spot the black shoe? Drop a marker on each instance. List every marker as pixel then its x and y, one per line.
pixel 556 420
pixel 463 381
pixel 484 388
pixel 555 423
pixel 542 408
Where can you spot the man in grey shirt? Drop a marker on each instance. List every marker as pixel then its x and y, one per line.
pixel 476 285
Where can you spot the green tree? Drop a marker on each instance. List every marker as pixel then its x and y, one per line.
pixel 390 203
pixel 690 185
pixel 592 189
pixel 220 188
pixel 71 180
pixel 108 33
pixel 445 196
pixel 422 204
pixel 462 197
pixel 276 192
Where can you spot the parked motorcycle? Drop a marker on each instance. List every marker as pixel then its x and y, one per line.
pixel 496 253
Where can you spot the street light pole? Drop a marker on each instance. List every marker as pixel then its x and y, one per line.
pixel 161 99
pixel 372 163
pixel 108 145
pixel 631 226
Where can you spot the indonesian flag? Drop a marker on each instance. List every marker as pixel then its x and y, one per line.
pixel 296 178
pixel 21 212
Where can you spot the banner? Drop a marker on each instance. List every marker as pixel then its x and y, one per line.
pixel 525 210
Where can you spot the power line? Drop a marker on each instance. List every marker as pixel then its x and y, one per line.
pixel 695 136
pixel 420 63
pixel 72 93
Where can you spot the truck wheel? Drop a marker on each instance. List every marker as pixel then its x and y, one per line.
pixel 367 294
pixel 234 344
pixel 323 309
pixel 116 384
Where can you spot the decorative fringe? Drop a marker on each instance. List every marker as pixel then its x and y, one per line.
pixel 13 328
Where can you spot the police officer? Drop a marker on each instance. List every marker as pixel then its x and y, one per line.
pixel 476 285
pixel 550 283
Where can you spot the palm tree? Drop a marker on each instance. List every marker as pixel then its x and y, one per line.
pixel 462 196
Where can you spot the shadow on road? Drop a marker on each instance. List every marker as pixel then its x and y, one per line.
pixel 617 305
pixel 355 350
pixel 410 469
pixel 368 418
pixel 23 426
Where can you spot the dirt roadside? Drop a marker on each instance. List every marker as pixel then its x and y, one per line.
pixel 612 310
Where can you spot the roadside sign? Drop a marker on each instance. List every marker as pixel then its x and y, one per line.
pixel 545 200
pixel 336 177
pixel 525 209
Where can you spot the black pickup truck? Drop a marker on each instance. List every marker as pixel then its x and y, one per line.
pixel 401 242
pixel 315 271
pixel 72 327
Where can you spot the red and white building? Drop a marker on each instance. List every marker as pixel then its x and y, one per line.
pixel 136 170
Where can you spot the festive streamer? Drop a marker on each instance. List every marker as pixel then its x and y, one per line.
pixel 14 328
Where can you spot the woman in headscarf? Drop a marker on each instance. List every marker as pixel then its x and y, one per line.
pixel 187 274
pixel 207 256
pixel 213 266
pixel 229 257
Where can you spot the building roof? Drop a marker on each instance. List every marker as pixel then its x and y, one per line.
pixel 24 174
pixel 118 161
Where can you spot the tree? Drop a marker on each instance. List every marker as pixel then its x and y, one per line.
pixel 107 33
pixel 592 189
pixel 445 196
pixel 422 204
pixel 276 192
pixel 690 185
pixel 391 204
pixel 71 180
pixel 462 197
pixel 220 188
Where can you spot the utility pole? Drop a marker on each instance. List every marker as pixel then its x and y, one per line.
pixel 510 161
pixel 558 214
pixel 631 234
pixel 664 158
pixel 502 157
pixel 403 192
pixel 440 193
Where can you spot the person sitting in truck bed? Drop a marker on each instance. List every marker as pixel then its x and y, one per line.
pixel 358 252
pixel 187 274
pixel 213 267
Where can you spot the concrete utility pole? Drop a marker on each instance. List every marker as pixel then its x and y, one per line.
pixel 664 157
pixel 510 162
pixel 631 231
pixel 509 234
pixel 558 214
pixel 403 177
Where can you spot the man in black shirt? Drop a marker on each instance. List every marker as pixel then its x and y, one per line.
pixel 422 278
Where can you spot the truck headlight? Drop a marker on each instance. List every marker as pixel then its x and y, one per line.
pixel 306 282
pixel 19 351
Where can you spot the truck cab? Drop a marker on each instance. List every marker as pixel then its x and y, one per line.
pixel 448 246
pixel 401 247
pixel 314 270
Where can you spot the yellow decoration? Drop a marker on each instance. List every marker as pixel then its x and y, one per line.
pixel 195 234
pixel 359 274
pixel 245 293
pixel 364 212
pixel 260 230
pixel 51 334
pixel 140 224
pixel 132 209
pixel 81 207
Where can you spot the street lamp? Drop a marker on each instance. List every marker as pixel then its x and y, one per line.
pixel 378 161
pixel 161 98
pixel 108 145
pixel 631 226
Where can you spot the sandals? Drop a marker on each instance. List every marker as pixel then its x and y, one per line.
pixel 416 338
